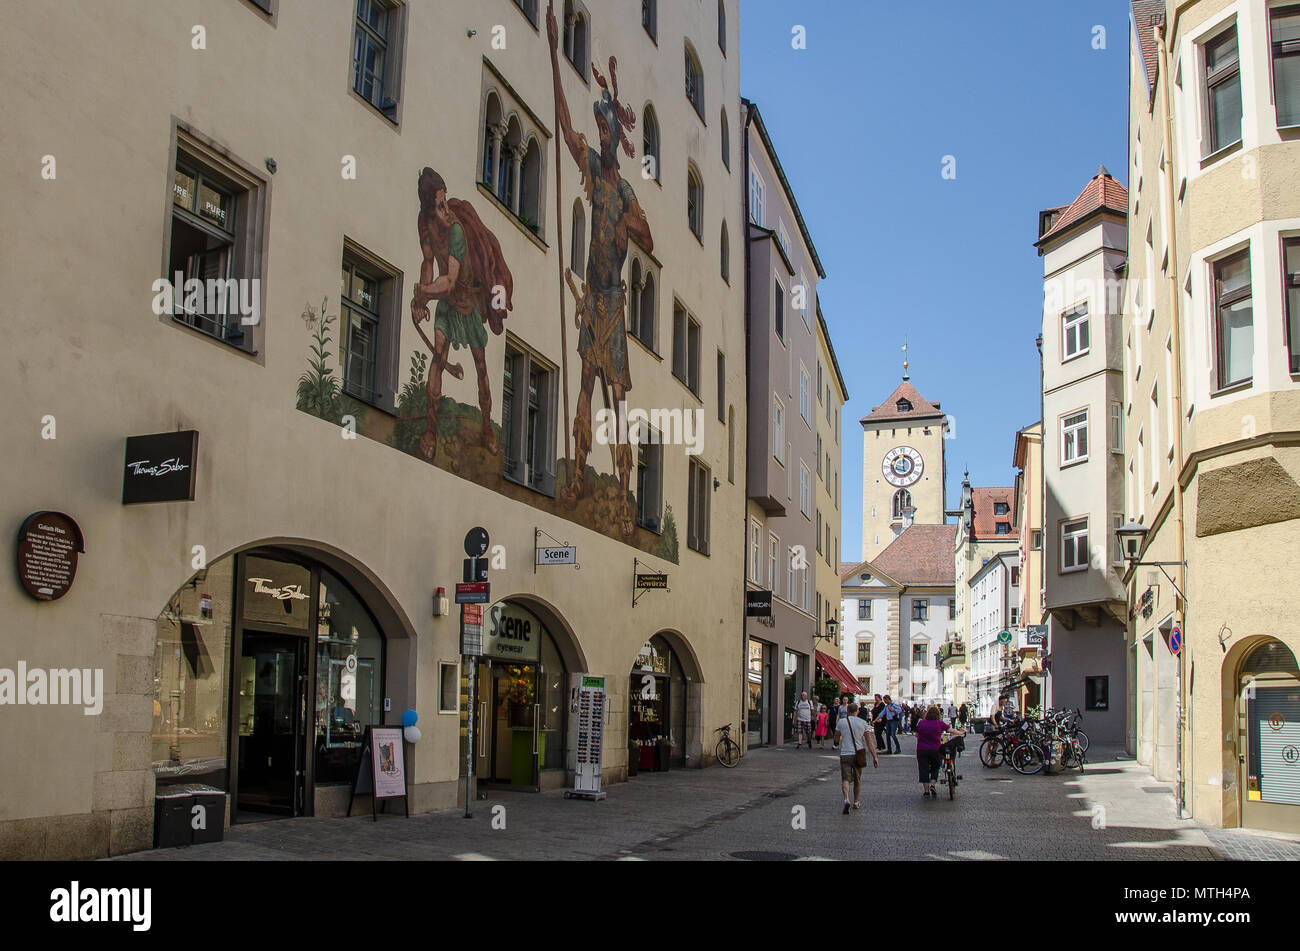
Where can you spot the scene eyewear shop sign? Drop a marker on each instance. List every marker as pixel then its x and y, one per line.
pixel 48 544
pixel 513 633
pixel 160 468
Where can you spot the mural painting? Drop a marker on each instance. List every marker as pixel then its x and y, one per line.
pixel 464 275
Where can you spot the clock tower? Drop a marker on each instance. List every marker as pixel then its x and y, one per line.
pixel 903 467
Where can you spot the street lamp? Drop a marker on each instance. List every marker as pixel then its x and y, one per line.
pixel 1131 537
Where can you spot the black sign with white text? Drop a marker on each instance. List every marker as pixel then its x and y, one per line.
pixel 160 468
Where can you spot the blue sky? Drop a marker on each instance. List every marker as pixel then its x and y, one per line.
pixel 862 120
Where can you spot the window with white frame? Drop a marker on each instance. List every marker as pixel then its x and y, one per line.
pixel 1234 332
pixel 1284 35
pixel 1074 333
pixel 1074 437
pixel 694 81
pixel 864 609
pixel 686 349
pixel 1291 274
pixel 805 396
pixel 778 430
pixel 805 491
pixel 778 309
pixel 920 654
pixel 694 202
pixel 755 539
pixel 1222 92
pixel 1074 545
pixel 1116 523
pixel 773 550
pixel 756 197
pixel 790 590
pixel 1116 424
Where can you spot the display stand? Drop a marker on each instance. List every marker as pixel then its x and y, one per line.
pixel 381 776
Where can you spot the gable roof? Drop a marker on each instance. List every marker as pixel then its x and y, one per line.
pixel 888 410
pixel 1102 193
pixel 921 555
pixel 1148 14
pixel 849 575
pixel 983 500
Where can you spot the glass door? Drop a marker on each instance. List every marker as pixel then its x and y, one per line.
pixel 510 743
pixel 271 723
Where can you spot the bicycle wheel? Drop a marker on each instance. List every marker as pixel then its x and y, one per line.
pixel 1082 738
pixel 952 781
pixel 728 752
pixel 1027 759
pixel 992 753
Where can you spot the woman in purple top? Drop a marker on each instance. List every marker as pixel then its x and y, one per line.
pixel 929 747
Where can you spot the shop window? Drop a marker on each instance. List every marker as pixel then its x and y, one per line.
pixel 1096 691
pixel 191 680
pixel 349 679
pixel 657 705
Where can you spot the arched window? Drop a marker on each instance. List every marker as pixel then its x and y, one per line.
pixel 1271 657
pixel 645 328
pixel 650 142
pixel 726 255
pixel 492 119
pixel 505 182
pixel 726 141
pixel 575 38
pixel 577 251
pixel 694 201
pixel 722 27
pixel 634 298
pixel 530 188
pixel 902 500
pixel 694 81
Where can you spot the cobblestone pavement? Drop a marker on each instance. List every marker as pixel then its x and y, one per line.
pixel 1111 811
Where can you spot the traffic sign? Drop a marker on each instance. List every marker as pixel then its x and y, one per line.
pixel 1004 637
pixel 1175 640
pixel 473 592
pixel 476 541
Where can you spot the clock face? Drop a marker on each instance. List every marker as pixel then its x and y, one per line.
pixel 902 466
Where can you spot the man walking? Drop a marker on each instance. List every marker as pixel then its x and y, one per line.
pixel 852 735
pixel 892 714
pixel 878 723
pixel 803 711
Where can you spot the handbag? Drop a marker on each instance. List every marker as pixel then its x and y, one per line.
pixel 860 755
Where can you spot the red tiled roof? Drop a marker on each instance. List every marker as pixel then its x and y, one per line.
pixel 921 407
pixel 921 555
pixel 1102 192
pixel 986 520
pixel 836 669
pixel 1147 14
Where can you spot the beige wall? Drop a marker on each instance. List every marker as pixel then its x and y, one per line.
pixel 81 256
pixel 1240 458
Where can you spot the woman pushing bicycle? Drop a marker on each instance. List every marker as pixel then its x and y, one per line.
pixel 930 748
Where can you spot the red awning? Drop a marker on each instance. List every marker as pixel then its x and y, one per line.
pixel 834 668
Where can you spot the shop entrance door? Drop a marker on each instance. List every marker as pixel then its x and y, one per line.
pixel 508 749
pixel 1269 738
pixel 272 704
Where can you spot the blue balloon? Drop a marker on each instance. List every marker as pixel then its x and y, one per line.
pixel 409 718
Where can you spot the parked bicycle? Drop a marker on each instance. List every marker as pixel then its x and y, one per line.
pixel 728 750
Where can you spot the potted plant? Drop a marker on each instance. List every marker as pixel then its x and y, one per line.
pixel 633 754
pixel 663 750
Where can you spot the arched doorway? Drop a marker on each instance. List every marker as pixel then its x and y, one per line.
pixel 663 703
pixel 268 666
pixel 522 696
pixel 1267 691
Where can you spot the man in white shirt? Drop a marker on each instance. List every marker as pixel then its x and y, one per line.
pixel 803 720
pixel 851 735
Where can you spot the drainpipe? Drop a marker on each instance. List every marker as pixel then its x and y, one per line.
pixel 744 508
pixel 1176 392
pixel 1043 616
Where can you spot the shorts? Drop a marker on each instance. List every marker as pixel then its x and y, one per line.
pixel 850 771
